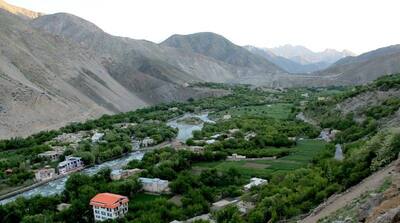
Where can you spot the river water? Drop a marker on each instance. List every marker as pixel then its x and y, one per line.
pixel 57 186
pixel 186 130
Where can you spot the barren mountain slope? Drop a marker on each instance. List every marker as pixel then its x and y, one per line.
pixel 366 67
pixel 24 13
pixel 47 81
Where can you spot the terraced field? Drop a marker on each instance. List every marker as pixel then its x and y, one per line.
pixel 278 111
pixel 302 154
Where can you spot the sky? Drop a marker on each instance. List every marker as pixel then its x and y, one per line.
pixel 356 25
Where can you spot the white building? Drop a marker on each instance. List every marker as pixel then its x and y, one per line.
pixel 236 157
pixel 305 95
pixel 97 137
pixel 255 182
pixel 227 117
pixel 109 206
pixel 70 164
pixel 45 174
pixel 211 141
pixel 147 142
pixel 154 185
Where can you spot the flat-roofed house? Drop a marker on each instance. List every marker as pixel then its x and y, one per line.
pixel 108 206
pixel 52 155
pixel 45 174
pixel 255 182
pixel 154 185
pixel 70 164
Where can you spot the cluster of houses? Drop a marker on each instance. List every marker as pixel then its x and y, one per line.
pixel 69 165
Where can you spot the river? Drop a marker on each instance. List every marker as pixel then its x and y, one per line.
pixel 57 186
pixel 186 130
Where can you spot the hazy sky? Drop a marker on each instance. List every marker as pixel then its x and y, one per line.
pixel 357 25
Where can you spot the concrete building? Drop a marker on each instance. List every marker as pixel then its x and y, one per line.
pixel 227 117
pixel 250 135
pixel 235 157
pixel 97 137
pixel 223 203
pixel 123 174
pixel 45 174
pixel 154 185
pixel 108 206
pixel 70 164
pixel 52 155
pixel 146 142
pixel 211 141
pixel 255 182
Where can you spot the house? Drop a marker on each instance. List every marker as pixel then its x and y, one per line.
pixel 250 135
pixel 196 149
pixel 45 174
pixel 223 203
pixel 63 206
pixel 305 95
pixel 154 185
pixel 321 99
pixel 123 174
pixel 235 157
pixel 70 164
pixel 70 137
pixel 124 125
pixel 173 109
pixel 232 131
pixel 227 117
pixel 108 206
pixel 146 142
pixel 255 182
pixel 52 155
pixel 216 136
pixel 211 141
pixel 97 137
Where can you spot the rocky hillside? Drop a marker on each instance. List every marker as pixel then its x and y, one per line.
pixel 47 81
pixel 366 67
pixel 23 13
pixel 219 48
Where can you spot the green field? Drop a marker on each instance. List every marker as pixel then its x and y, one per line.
pixel 302 154
pixel 278 111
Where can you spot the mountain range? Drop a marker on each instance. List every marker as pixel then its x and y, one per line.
pixel 59 68
pixel 299 59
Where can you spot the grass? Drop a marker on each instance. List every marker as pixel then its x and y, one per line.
pixel 278 111
pixel 302 154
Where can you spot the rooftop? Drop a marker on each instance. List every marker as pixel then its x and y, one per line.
pixel 108 200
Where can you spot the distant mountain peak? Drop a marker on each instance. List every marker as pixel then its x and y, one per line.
pixel 22 12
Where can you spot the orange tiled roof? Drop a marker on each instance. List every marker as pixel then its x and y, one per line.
pixel 108 200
